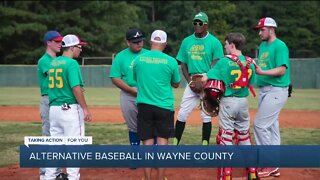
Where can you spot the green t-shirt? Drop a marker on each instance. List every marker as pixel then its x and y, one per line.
pixel 271 56
pixel 64 74
pixel 122 66
pixel 229 71
pixel 154 72
pixel 43 68
pixel 198 53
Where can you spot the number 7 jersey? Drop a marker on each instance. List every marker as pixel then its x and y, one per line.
pixel 64 74
pixel 229 71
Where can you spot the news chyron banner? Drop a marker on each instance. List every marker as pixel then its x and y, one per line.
pixel 79 152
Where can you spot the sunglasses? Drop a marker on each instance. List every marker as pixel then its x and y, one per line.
pixel 198 23
pixel 78 46
pixel 136 42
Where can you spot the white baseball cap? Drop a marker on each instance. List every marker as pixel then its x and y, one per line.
pixel 266 22
pixel 71 40
pixel 159 36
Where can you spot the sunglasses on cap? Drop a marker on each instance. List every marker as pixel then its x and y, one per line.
pixel 198 23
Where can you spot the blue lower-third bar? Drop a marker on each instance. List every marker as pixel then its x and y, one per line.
pixel 196 156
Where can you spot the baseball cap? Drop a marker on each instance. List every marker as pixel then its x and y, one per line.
pixel 52 36
pixel 71 40
pixel 134 35
pixel 202 17
pixel 159 36
pixel 266 22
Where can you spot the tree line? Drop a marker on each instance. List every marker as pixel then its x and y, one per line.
pixel 103 24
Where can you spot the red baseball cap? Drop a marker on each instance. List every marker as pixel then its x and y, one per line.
pixel 266 22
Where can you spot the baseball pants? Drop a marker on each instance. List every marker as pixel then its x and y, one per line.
pixel 234 115
pixel 66 123
pixel 266 124
pixel 44 114
pixel 129 110
pixel 189 101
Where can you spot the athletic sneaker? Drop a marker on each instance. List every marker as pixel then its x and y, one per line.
pixel 276 173
pixel 41 177
pixel 266 172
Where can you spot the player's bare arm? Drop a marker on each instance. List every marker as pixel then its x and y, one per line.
pixel 184 69
pixel 78 93
pixel 123 86
pixel 175 85
pixel 278 71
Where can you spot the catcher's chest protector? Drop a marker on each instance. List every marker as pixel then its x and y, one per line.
pixel 243 80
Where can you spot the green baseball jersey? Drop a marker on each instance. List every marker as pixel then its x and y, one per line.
pixel 198 53
pixel 271 56
pixel 229 71
pixel 64 74
pixel 43 68
pixel 154 72
pixel 122 66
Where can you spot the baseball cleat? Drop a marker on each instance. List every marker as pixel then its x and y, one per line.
pixel 252 174
pixel 224 173
pixel 266 172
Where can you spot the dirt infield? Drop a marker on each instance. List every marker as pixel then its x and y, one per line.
pixel 288 119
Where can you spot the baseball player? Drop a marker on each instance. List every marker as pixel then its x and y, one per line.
pixel 234 119
pixel 156 73
pixel 196 54
pixel 273 79
pixel 52 40
pixel 121 75
pixel 68 107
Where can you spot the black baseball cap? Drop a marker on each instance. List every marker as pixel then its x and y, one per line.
pixel 134 35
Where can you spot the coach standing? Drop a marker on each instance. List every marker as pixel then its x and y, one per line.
pixel 196 54
pixel 52 40
pixel 156 73
pixel 273 79
pixel 68 107
pixel 121 76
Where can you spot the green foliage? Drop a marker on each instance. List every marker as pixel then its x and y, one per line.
pixel 103 24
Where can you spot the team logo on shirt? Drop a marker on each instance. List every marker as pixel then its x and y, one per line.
pixel 197 48
pixel 263 59
pixel 197 51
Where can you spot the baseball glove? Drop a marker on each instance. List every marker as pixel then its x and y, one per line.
pixel 210 107
pixel 196 84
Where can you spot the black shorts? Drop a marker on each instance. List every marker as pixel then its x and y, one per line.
pixel 154 122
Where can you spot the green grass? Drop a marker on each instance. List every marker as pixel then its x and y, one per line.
pixel 302 99
pixel 12 135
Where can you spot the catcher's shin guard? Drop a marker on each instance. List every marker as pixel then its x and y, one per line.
pixel 251 174
pixel 242 138
pixel 224 173
pixel 224 137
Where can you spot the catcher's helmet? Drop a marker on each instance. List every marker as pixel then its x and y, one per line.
pixel 214 89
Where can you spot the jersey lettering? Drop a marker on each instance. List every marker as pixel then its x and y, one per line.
pixel 243 75
pixel 56 80
pixel 238 74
